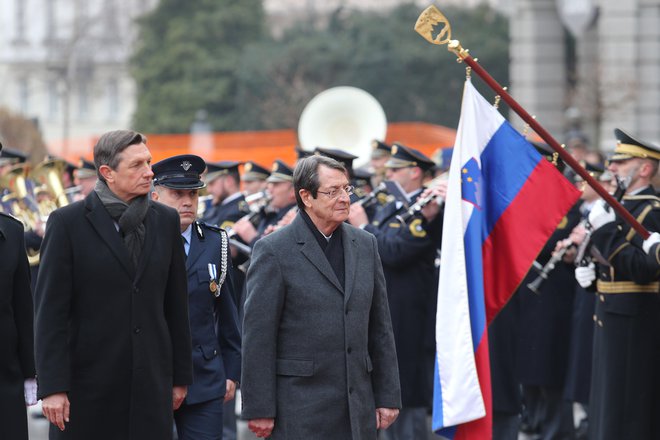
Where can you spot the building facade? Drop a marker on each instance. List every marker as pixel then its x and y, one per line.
pixel 605 75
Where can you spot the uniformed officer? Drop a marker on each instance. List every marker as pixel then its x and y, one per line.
pixel 213 316
pixel 408 251
pixel 224 184
pixel 254 178
pixel 625 390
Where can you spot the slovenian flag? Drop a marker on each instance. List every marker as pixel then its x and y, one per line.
pixel 504 200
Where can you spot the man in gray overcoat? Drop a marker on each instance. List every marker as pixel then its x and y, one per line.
pixel 318 354
pixel 112 339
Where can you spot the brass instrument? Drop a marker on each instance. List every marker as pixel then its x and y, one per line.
pixel 257 204
pixel 19 201
pixel 372 197
pixel 48 174
pixel 343 117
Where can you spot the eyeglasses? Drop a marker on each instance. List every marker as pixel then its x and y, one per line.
pixel 336 192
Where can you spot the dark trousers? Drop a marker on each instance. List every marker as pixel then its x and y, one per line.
pixel 201 421
pixel 549 412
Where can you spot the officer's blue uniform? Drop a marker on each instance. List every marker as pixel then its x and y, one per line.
pixel 215 335
pixel 216 356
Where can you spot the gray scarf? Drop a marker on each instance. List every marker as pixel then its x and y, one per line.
pixel 129 216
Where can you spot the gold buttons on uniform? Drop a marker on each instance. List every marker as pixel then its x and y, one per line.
pixel 601 297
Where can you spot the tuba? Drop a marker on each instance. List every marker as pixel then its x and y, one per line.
pixel 19 201
pixel 342 117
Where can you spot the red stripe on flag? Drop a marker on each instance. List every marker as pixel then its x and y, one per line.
pixel 482 428
pixel 512 245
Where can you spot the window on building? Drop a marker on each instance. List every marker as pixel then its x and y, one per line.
pixel 50 19
pixel 53 99
pixel 19 20
pixel 83 101
pixel 112 99
pixel 24 95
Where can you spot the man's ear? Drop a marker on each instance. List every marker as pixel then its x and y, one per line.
pixel 305 196
pixel 107 173
pixel 154 195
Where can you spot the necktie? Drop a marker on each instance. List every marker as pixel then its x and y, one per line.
pixel 185 247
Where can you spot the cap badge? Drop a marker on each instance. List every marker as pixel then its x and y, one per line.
pixel 186 165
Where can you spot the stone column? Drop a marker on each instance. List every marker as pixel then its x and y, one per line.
pixel 537 71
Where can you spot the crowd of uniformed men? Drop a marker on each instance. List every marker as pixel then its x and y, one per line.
pixel 582 330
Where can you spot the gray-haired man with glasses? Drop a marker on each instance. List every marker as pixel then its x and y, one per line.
pixel 318 352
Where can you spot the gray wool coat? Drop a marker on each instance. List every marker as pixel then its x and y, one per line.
pixel 318 358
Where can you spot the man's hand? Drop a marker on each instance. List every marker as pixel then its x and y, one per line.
pixel 356 215
pixel 385 417
pixel 585 275
pixel 178 394
pixel 649 242
pixel 56 408
pixel 432 209
pixel 231 390
pixel 600 216
pixel 244 229
pixel 261 427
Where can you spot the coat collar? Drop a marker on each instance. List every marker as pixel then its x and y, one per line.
pixel 104 225
pixel 312 251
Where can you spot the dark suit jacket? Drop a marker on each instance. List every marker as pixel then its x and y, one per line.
pixel 16 346
pixel 115 338
pixel 213 320
pixel 318 358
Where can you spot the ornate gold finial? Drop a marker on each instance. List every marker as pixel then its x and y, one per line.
pixel 555 157
pixel 428 20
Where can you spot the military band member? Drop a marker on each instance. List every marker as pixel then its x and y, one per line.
pixel 17 383
pixel 224 184
pixel 625 391
pixel 380 154
pixel 213 316
pixel 85 177
pixel 283 199
pixel 254 178
pixel 408 252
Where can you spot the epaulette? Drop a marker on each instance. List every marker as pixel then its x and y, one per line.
pixel 210 227
pixel 648 197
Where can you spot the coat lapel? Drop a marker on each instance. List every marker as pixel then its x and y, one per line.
pixel 196 249
pixel 105 227
pixel 350 259
pixel 312 251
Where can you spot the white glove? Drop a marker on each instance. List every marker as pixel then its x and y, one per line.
pixel 649 242
pixel 30 391
pixel 585 275
pixel 599 216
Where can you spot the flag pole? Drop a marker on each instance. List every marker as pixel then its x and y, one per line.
pixel 432 17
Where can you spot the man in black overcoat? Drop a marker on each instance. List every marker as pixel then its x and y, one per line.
pixel 16 336
pixel 112 339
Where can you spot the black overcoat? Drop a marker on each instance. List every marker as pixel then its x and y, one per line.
pixel 16 346
pixel 115 338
